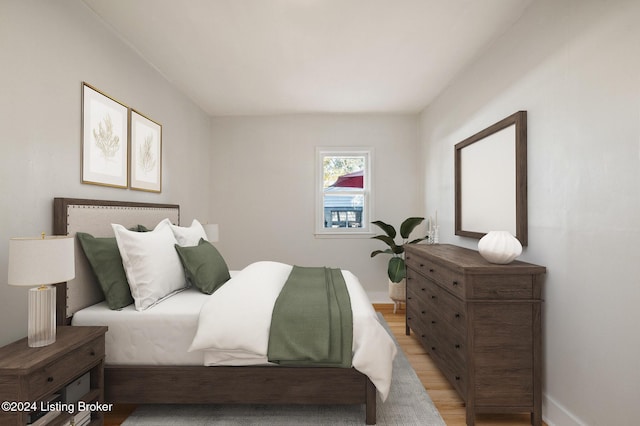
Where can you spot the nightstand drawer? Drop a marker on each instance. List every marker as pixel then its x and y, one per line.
pixel 62 371
pixel 36 374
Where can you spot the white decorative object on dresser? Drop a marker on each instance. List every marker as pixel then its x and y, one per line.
pixel 499 247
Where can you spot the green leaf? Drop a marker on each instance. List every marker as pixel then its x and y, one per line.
pixel 396 269
pixel 387 240
pixel 417 240
pixel 377 252
pixel 388 229
pixel 409 225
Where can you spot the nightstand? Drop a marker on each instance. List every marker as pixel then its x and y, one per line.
pixel 30 377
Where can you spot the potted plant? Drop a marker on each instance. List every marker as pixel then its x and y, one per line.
pixel 396 269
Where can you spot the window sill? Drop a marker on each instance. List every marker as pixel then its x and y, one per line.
pixel 346 234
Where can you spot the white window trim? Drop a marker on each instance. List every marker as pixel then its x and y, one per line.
pixel 367 211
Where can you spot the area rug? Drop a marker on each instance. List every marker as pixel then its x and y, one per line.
pixel 408 404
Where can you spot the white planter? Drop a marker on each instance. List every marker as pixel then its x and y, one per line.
pixel 397 293
pixel 499 247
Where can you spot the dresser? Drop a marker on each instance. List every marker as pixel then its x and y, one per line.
pixel 480 323
pixel 31 377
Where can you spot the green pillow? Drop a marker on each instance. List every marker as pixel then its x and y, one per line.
pixel 204 266
pixel 106 263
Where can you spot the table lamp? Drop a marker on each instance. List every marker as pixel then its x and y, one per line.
pixel 41 261
pixel 212 231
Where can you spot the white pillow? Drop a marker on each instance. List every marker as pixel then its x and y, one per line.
pixel 151 263
pixel 188 236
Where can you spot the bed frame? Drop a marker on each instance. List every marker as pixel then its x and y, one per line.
pixel 146 384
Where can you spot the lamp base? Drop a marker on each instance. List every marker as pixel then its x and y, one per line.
pixel 42 316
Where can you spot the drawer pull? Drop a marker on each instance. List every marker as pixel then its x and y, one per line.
pixel 92 353
pixel 457 377
pixel 457 315
pixel 423 289
pixel 409 297
pixel 433 348
pixel 422 265
pixel 431 270
pixel 49 379
pixel 455 283
pixel 457 346
pixel 423 312
pixel 434 322
pixel 434 297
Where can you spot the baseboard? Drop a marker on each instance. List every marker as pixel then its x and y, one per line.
pixel 555 414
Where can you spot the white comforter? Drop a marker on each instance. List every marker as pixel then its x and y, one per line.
pixel 233 326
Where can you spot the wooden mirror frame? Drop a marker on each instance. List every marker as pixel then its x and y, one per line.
pixel 482 140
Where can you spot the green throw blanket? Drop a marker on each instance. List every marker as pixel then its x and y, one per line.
pixel 312 322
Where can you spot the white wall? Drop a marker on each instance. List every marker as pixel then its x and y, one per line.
pixel 48 48
pixel 263 188
pixel 574 66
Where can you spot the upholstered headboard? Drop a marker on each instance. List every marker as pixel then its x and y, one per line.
pixel 71 215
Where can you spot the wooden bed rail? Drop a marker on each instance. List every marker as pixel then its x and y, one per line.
pixel 240 385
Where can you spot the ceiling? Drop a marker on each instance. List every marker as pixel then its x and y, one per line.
pixel 258 57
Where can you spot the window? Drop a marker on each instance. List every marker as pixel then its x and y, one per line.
pixel 343 191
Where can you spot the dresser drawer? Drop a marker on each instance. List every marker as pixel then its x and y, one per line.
pixel 62 371
pixel 451 310
pixel 420 329
pixel 457 376
pixel 447 345
pixel 426 340
pixel 417 319
pixel 420 288
pixel 455 372
pixel 502 287
pixel 447 278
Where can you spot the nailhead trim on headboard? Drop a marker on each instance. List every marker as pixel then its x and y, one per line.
pixel 95 217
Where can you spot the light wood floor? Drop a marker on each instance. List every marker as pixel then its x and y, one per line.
pixel 443 395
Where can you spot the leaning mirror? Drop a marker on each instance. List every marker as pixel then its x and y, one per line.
pixel 491 180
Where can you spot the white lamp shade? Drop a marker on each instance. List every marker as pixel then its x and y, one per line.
pixel 37 261
pixel 212 231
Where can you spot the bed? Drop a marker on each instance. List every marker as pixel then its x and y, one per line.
pixel 176 375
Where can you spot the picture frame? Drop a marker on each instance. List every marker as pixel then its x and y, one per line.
pixel 146 153
pixel 491 180
pixel 105 140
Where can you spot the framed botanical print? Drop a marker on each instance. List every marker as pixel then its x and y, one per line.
pixel 104 139
pixel 146 153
